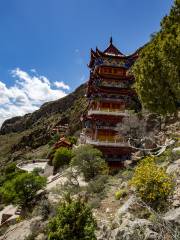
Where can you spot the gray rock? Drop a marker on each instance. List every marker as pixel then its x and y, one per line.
pixel 104 231
pixel 126 206
pixel 134 230
pixel 176 150
pixel 151 235
pixel 20 230
pixel 174 168
pixel 41 236
pixel 173 216
pixel 124 185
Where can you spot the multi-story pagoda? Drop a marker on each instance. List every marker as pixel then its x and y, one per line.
pixel 111 98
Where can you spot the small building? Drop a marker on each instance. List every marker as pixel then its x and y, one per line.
pixel 63 142
pixel 111 98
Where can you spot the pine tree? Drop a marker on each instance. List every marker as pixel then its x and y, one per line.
pixel 157 71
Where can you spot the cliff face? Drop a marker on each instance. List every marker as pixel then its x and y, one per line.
pixel 63 108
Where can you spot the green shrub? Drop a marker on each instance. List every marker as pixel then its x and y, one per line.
pixel 38 170
pixel 95 202
pixel 74 221
pixel 54 139
pixel 120 194
pixel 72 139
pixel 44 209
pixel 152 183
pixel 62 157
pixel 97 185
pixel 167 156
pixel 89 161
pixel 22 188
pixel 127 174
pixel 10 168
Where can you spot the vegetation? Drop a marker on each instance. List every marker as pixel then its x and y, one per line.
pixel 43 209
pixel 74 221
pixel 120 194
pixel 72 139
pixel 8 173
pixel 54 139
pixel 152 183
pixel 10 168
pixel 22 188
pixel 17 137
pixel 89 161
pixel 62 157
pixel 157 69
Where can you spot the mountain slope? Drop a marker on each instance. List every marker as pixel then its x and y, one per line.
pixel 62 107
pixel 34 130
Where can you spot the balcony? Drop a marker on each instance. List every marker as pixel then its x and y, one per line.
pixel 108 111
pixel 107 143
pixel 99 127
pixel 106 127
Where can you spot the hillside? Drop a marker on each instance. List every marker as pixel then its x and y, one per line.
pixel 34 129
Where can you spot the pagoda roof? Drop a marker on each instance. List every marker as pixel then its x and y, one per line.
pixel 110 51
pixel 63 142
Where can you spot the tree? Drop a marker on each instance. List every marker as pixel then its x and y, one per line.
pixel 89 161
pixel 72 139
pixel 152 183
pixel 10 168
pixel 74 221
pixel 132 126
pixel 62 157
pixel 139 130
pixel 54 139
pixel 22 188
pixel 157 68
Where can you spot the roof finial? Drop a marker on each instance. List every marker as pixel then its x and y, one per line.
pixel 111 40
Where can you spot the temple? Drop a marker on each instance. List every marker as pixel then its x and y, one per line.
pixel 111 97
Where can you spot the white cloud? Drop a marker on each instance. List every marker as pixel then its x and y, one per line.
pixel 61 85
pixel 27 94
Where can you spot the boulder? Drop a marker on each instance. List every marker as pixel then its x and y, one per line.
pixel 176 150
pixel 41 236
pixel 18 231
pixel 104 231
pixel 173 216
pixel 176 153
pixel 134 230
pixel 126 207
pixel 174 168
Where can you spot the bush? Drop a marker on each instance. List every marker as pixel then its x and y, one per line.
pixel 10 168
pixel 120 194
pixel 54 139
pixel 89 161
pixel 43 209
pixel 97 185
pixel 22 188
pixel 152 183
pixel 37 171
pixel 62 157
pixel 72 139
pixel 74 221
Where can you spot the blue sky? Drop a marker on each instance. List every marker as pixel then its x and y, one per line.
pixel 49 41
